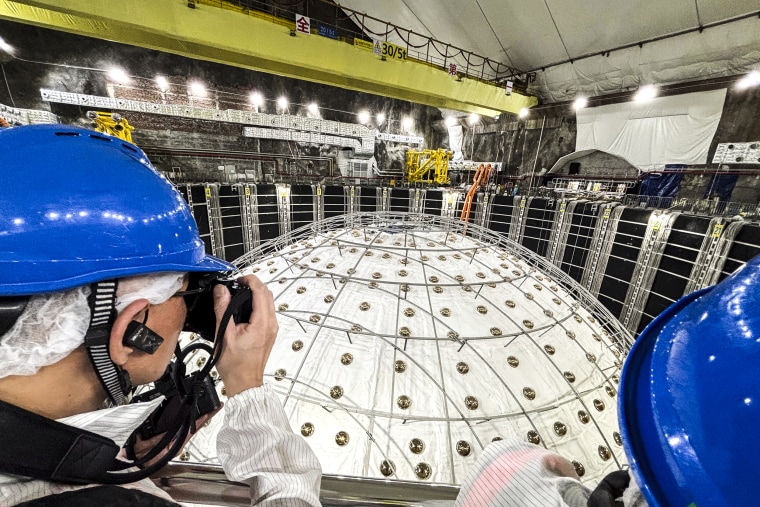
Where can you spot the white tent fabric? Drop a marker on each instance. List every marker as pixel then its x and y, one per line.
pixel 412 346
pixel 535 35
pixel 666 130
pixel 456 137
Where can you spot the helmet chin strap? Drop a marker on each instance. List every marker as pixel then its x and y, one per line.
pixel 115 381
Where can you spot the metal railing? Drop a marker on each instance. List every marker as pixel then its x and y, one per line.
pixel 422 48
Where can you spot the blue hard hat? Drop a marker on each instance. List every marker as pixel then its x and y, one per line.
pixel 690 403
pixel 78 206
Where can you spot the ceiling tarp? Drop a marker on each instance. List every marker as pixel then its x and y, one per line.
pixel 666 130
pixel 536 35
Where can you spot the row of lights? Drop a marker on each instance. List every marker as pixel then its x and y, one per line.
pixel 197 89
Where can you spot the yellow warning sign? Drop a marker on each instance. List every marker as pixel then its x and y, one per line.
pixel 717 230
pixel 208 192
pixel 363 44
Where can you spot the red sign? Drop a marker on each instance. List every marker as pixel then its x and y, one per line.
pixel 452 69
pixel 303 24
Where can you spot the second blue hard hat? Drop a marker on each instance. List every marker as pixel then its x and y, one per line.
pixel 690 398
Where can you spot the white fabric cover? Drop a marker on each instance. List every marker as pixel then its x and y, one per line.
pixel 666 130
pixel 532 36
pixel 456 136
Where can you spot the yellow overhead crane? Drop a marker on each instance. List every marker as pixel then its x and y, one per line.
pixel 420 165
pixel 111 123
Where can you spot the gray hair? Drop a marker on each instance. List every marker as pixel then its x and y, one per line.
pixel 54 324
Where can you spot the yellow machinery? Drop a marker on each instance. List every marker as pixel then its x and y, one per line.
pixel 111 123
pixel 420 165
pixel 481 179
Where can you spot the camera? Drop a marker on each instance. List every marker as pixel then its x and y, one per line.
pixel 199 298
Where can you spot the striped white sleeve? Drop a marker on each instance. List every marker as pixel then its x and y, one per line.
pixel 256 445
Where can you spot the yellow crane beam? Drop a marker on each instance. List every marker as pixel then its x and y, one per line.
pixel 233 38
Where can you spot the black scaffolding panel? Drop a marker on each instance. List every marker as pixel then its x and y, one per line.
pixel 538 225
pixel 682 249
pixel 579 237
pixel 501 213
pixel 302 205
pixel 335 201
pixel 269 220
pixel 622 258
pixel 232 224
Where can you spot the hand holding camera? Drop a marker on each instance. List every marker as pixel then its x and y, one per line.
pixel 247 345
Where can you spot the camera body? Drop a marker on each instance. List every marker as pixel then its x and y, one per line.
pixel 201 318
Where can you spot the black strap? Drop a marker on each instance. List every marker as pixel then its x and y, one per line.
pixel 50 450
pixel 102 300
pixel 101 496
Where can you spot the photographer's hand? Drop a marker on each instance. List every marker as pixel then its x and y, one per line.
pixel 246 345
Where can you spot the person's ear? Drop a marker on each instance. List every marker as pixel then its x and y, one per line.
pixel 134 311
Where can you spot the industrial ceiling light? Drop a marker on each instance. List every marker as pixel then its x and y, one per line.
pixel 645 93
pixel 524 112
pixel 407 123
pixel 118 75
pixel 473 119
pixel 197 89
pixel 256 99
pixel 282 103
pixel 380 118
pixel 751 79
pixel 580 103
pixel 5 47
pixel 451 121
pixel 163 83
pixel 313 108
pixel 363 116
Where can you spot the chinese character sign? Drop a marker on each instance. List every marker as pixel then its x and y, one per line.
pixel 452 69
pixel 303 24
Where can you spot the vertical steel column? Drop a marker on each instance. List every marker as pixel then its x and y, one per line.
pixel 601 245
pixel 655 239
pixel 211 191
pixel 249 216
pixel 383 199
pixel 319 203
pixel 283 207
pixel 353 195
pixel 417 201
pixel 712 254
pixel 560 230
pixel 517 227
pixel 449 204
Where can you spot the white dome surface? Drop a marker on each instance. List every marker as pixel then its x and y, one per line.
pixel 406 346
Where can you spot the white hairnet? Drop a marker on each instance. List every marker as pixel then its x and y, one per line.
pixel 53 325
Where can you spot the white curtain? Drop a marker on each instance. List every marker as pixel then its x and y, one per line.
pixel 665 130
pixel 456 136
